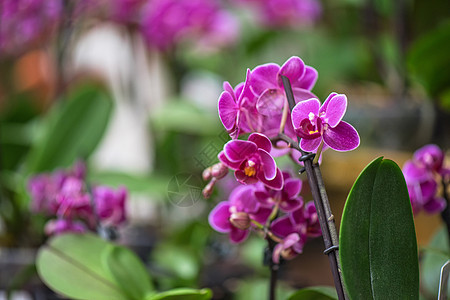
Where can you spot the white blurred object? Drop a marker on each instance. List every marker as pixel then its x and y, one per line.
pixel 137 82
pixel 202 88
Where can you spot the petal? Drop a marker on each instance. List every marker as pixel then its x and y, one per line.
pixel 238 235
pixel 310 145
pixel 435 205
pixel 271 102
pixel 261 141
pixel 291 205
pixel 293 68
pixel 227 110
pixel 334 109
pixel 302 94
pixel 302 110
pixel 227 162
pixel 309 78
pixel 343 137
pixel 264 77
pixel 246 96
pixel 276 183
pixel 238 150
pixel 292 187
pixel 219 217
pixel 276 253
pixel 282 227
pixel 228 88
pixel 262 215
pixel 269 166
pixel 244 199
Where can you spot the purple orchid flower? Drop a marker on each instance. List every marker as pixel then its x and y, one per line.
pixel 234 216
pixel 287 198
pixel 252 162
pixel 110 205
pixel 288 248
pixel 312 220
pixel 267 84
pixel 60 226
pixel 315 123
pixel 422 188
pixel 237 109
pixel 431 157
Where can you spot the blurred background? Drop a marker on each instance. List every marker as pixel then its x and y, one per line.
pixel 131 87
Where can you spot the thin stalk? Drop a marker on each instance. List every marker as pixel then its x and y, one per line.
pixel 273 271
pixel 326 219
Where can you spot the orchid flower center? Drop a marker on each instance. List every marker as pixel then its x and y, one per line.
pixel 250 169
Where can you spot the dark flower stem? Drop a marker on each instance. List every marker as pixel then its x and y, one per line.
pixel 326 218
pixel 273 271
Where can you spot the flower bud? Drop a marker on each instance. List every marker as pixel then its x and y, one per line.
pixel 209 188
pixel 240 220
pixel 207 174
pixel 219 170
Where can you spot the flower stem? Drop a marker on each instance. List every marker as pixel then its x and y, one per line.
pixel 326 218
pixel 445 214
pixel 273 271
pixel 284 116
pixel 319 151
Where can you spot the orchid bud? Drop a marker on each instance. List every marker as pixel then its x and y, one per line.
pixel 240 220
pixel 209 188
pixel 219 170
pixel 207 174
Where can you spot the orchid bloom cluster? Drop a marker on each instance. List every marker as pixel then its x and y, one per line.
pixel 24 22
pixel 267 199
pixel 424 173
pixel 63 196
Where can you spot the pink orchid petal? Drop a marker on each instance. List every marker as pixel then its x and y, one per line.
pixel 262 215
pixel 238 235
pixel 238 150
pixel 276 183
pixel 294 69
pixel 291 204
pixel 261 141
pixel 282 226
pixel 268 165
pixel 302 94
pixel 232 165
pixel 271 102
pixel 334 109
pixel 343 137
pixel 292 187
pixel 219 217
pixel 309 78
pixel 310 145
pixel 302 111
pixel 227 110
pixel 277 253
pixel 244 199
pixel 228 88
pixel 435 205
pixel 264 77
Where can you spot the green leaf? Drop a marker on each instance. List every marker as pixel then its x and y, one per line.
pixel 74 131
pixel 128 272
pixel 182 116
pixel 435 255
pixel 315 293
pixel 71 264
pixel 378 247
pixel 183 294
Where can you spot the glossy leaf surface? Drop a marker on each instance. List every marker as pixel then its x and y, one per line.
pixel 378 247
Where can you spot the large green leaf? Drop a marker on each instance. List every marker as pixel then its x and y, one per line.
pixel 183 294
pixel 71 265
pixel 73 131
pixel 435 255
pixel 378 247
pixel 128 272
pixel 315 293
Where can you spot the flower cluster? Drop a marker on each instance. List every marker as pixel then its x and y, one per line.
pixel 424 174
pixel 268 199
pixel 166 23
pixel 256 205
pixel 64 195
pixel 24 22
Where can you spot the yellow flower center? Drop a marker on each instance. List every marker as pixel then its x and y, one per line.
pixel 250 170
